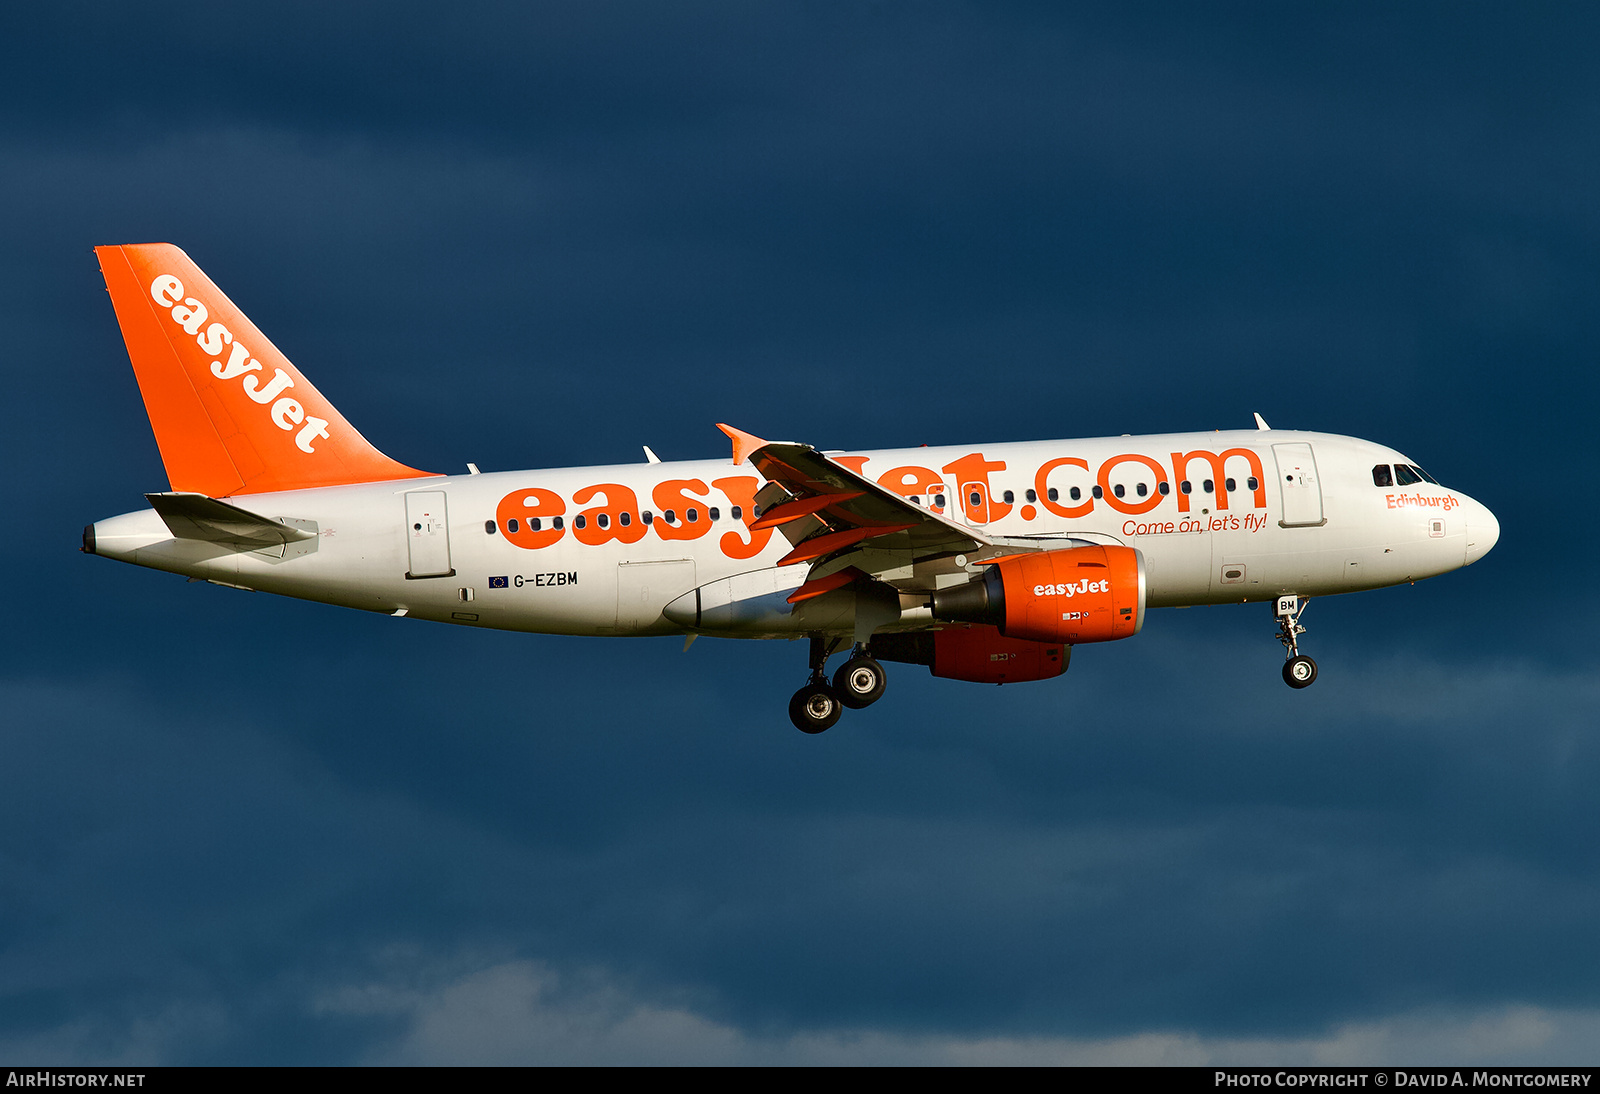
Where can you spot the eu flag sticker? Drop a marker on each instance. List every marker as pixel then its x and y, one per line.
pixel 499 582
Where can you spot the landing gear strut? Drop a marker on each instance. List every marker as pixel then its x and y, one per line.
pixel 858 683
pixel 1299 671
pixel 815 707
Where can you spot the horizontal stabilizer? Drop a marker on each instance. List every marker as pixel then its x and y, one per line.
pixel 195 516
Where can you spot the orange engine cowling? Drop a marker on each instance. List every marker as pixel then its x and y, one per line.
pixel 1075 595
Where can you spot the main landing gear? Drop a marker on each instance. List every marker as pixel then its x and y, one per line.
pixel 858 683
pixel 1299 671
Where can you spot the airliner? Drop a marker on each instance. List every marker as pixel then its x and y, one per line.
pixel 986 563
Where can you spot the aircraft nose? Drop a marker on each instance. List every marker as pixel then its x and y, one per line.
pixel 1483 532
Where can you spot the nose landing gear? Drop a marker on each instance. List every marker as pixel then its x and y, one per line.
pixel 858 683
pixel 1299 671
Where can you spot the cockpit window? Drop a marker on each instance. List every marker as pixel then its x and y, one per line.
pixel 1426 477
pixel 1381 476
pixel 1404 476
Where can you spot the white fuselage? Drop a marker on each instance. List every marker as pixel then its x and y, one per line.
pixel 1245 515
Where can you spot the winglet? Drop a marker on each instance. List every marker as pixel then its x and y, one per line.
pixel 1261 423
pixel 743 443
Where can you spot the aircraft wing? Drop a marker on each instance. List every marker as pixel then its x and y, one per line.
pixel 847 526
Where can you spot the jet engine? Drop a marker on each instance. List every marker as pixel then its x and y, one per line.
pixel 1075 595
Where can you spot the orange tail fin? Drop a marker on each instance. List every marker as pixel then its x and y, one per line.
pixel 230 413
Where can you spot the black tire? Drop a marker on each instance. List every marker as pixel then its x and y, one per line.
pixel 1299 672
pixel 815 708
pixel 860 682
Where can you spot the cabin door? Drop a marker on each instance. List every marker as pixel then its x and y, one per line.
pixel 1298 485
pixel 427 535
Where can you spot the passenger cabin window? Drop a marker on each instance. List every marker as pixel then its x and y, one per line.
pixel 669 516
pixel 1163 488
pixel 648 517
pixel 579 521
pixel 624 519
pixel 511 525
pixel 1141 489
pixel 557 523
pixel 1185 487
pixel 1229 484
pixel 1381 476
pixel 716 514
pixel 1009 497
pixel 603 520
pixel 488 527
pixel 738 512
pixel 938 501
pixel 1252 483
pixel 1055 495
pixel 1031 496
pixel 1208 486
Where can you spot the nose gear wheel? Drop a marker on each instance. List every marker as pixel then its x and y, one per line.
pixel 1299 671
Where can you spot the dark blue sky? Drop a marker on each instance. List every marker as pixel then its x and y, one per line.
pixel 235 828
